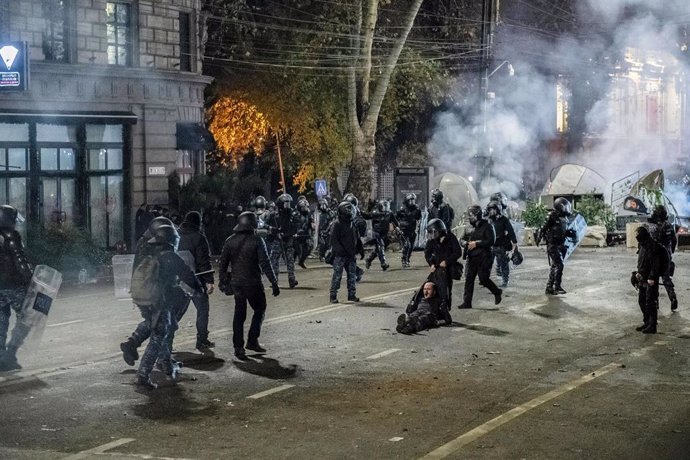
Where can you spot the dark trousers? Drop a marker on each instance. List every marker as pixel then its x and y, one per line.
pixel 201 303
pixel 159 324
pixel 350 267
pixel 502 263
pixel 177 302
pixel 418 321
pixel 444 285
pixel 304 245
pixel 478 266
pixel 648 300
pixel 324 244
pixel 555 253
pixel 408 246
pixel 256 297
pixel 12 299
pixel 379 249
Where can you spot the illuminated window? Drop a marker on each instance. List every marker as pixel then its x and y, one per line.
pixel 562 97
pixel 118 29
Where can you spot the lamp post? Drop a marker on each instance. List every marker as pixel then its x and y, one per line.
pixel 485 156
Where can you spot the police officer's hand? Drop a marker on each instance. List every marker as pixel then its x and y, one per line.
pixel 650 282
pixel 209 289
pixel 432 268
pixel 276 290
pixel 443 264
pixel 471 245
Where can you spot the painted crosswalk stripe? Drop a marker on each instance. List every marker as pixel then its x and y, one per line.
pixel 270 392
pixel 383 353
pixel 66 323
pixel 100 449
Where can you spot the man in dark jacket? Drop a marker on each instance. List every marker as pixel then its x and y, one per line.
pixel 505 240
pixel 442 252
pixel 15 277
pixel 408 216
pixel 421 315
pixel 192 239
pixel 344 244
pixel 652 261
pixel 304 241
pixel 664 233
pixel 381 220
pixel 243 259
pixel 326 216
pixel 282 227
pixel 479 257
pixel 555 231
pixel 440 209
pixel 158 314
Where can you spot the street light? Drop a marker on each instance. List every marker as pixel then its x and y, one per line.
pixel 486 146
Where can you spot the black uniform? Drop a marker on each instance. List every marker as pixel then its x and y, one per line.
pixel 192 239
pixel 243 259
pixel 479 262
pixel 651 261
pixel 554 231
pixel 444 212
pixel 664 233
pixel 282 227
pixel 380 223
pixel 505 239
pixel 408 217
pixel 304 241
pixel 445 249
pixel 326 217
pixel 15 277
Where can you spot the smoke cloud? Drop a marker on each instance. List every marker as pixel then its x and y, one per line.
pixel 626 61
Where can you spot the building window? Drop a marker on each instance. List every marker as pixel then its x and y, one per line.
pixel 14 165
pixel 118 28
pixel 186 165
pixel 56 14
pixel 185 42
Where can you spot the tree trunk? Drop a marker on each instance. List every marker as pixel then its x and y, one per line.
pixel 361 180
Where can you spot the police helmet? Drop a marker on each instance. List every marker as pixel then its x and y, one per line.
pixel 381 205
pixel 386 205
pixel 246 222
pixel 563 206
pixel 350 198
pixel 259 202
pixel 474 214
pixel 642 235
pixel 157 223
pixel 303 205
pixel 346 210
pixel 500 198
pixel 271 205
pixel 436 228
pixel 284 201
pixel 493 209
pixel 166 235
pixel 659 214
pixel 8 216
pixel 516 258
pixel 324 205
pixel 410 199
pixel 436 196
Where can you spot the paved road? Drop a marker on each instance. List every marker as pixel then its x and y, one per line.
pixel 537 377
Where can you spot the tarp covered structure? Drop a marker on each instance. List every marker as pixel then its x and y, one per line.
pixel 457 191
pixel 572 180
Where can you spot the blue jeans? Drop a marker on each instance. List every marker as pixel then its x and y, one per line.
pixel 350 267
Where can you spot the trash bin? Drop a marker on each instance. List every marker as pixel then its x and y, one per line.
pixel 43 289
pixel 122 275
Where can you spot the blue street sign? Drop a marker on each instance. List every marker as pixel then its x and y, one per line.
pixel 320 187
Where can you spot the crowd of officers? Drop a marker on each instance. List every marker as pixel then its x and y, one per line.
pixel 271 231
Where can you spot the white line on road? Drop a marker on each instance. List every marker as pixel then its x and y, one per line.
pixel 99 449
pixel 66 323
pixel 270 392
pixel 472 435
pixel 383 353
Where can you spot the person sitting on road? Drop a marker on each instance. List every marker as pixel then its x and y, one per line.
pixel 421 315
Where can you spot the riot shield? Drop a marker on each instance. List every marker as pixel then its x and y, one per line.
pixel 578 224
pixel 188 259
pixel 123 266
pixel 43 289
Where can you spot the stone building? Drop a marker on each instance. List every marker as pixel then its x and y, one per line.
pixel 114 105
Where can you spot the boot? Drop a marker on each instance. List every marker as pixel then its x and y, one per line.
pixel 550 291
pixel 204 344
pixel 650 329
pixel 674 304
pixel 401 323
pixel 384 266
pixel 293 283
pixel 333 299
pixel 145 383
pixel 641 327
pixel 353 298
pixel 497 297
pixel 241 354
pixel 129 351
pixel 464 305
pixel 367 264
pixel 8 362
pixel 559 290
pixel 170 368
pixel 255 346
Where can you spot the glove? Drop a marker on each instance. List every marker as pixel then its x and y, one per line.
pixel 633 280
pixel 276 290
pixel 361 255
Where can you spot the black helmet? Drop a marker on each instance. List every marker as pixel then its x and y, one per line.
pixel 516 258
pixel 410 200
pixel 166 235
pixel 659 214
pixel 350 198
pixel 303 206
pixel 346 210
pixel 642 235
pixel 259 202
pixel 436 228
pixel 8 216
pixel 156 224
pixel 284 201
pixel 493 209
pixel 436 197
pixel 246 222
pixel 381 205
pixel 271 205
pixel 501 198
pixel 562 206
pixel 474 214
pixel 324 205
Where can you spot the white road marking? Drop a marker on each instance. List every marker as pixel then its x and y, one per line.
pixel 270 392
pixel 472 435
pixel 99 449
pixel 66 323
pixel 146 456
pixel 383 353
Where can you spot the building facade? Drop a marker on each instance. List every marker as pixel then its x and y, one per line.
pixel 114 105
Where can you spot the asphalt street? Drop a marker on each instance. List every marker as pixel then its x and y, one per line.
pixel 536 377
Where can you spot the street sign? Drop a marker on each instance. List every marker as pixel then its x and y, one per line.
pixel 156 170
pixel 14 66
pixel 320 187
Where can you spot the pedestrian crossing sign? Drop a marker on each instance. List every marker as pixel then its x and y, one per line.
pixel 320 187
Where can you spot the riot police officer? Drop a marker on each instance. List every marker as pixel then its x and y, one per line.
pixel 479 257
pixel 381 219
pixel 555 231
pixel 652 262
pixel 408 216
pixel 15 277
pixel 505 240
pixel 664 233
pixel 304 241
pixel 282 228
pixel 360 224
pixel 326 215
pixel 441 252
pixel 440 209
